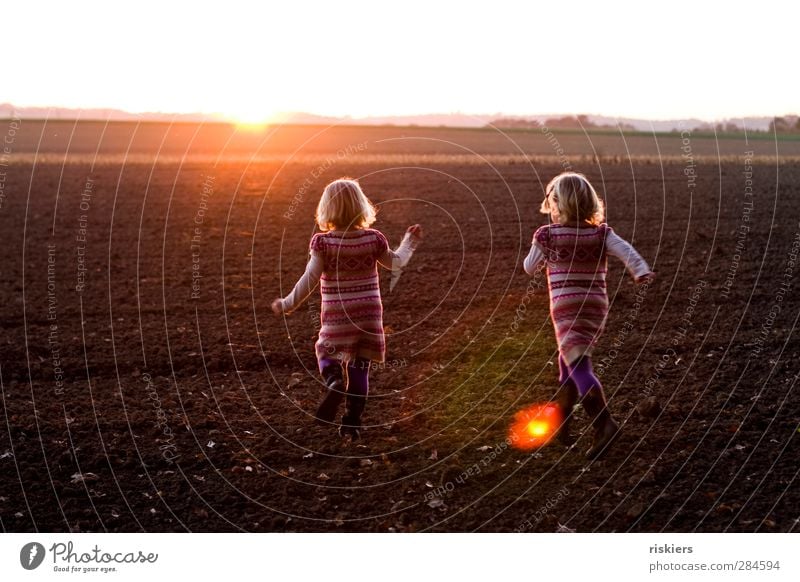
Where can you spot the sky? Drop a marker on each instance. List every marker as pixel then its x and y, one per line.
pixel 252 60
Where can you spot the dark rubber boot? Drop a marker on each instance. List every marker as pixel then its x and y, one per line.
pixel 567 397
pixel 335 391
pixel 351 421
pixel 606 430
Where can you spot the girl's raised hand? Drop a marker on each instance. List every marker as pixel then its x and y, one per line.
pixel 648 278
pixel 415 231
pixel 277 307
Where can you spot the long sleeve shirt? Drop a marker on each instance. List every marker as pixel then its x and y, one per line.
pixel 615 246
pixel 393 260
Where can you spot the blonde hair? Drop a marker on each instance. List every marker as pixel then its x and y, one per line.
pixel 571 198
pixel 343 206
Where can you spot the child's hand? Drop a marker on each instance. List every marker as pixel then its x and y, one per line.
pixel 415 231
pixel 646 279
pixel 277 306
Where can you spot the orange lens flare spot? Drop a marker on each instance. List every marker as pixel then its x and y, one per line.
pixel 537 428
pixel 534 426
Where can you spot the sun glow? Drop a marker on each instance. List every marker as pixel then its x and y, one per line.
pixel 252 117
pixel 250 60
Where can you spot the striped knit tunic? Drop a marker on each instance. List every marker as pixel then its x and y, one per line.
pixel 345 264
pixel 576 274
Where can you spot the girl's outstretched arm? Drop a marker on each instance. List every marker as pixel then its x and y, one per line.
pixel 633 261
pixel 398 258
pixel 307 283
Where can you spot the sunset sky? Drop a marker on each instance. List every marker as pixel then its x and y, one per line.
pixel 252 60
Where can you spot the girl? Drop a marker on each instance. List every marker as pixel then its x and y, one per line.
pixel 574 249
pixel 344 257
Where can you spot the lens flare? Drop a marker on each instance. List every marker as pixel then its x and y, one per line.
pixel 534 426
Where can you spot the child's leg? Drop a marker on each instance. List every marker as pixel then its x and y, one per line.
pixel 605 429
pixel 357 391
pixel 563 371
pixel 358 378
pixel 325 363
pixel 582 375
pixel 566 397
pixel 331 370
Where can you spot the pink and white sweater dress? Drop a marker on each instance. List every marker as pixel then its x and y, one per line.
pixel 576 260
pixel 346 265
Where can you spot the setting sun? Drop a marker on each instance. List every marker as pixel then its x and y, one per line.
pixel 252 116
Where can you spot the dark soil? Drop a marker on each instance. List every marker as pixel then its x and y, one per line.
pixel 179 412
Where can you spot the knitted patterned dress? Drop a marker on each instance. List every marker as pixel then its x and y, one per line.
pixel 352 312
pixel 345 264
pixel 576 259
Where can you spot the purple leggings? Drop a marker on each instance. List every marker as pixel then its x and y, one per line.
pixel 357 374
pixel 580 374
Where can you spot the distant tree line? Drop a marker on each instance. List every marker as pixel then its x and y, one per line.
pixel 565 122
pixel 785 124
pixel 788 124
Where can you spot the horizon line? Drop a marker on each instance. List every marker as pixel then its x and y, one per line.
pixel 220 117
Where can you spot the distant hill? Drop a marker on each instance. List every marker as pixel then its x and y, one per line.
pixel 785 123
pixel 8 110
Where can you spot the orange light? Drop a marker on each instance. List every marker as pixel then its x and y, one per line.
pixel 251 116
pixel 534 426
pixel 537 428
